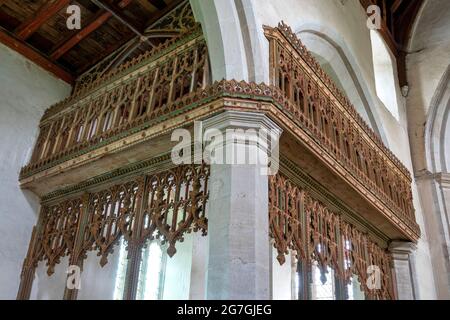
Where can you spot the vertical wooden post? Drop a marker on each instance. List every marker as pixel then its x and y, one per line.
pixel 134 247
pixel 76 257
pixel 173 80
pixel 132 276
pixel 30 262
pixel 152 92
pixel 194 72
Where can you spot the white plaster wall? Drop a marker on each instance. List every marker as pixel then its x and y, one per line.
pixel 177 278
pixel 26 91
pixel 282 277
pixel 51 287
pixel 344 23
pixel 428 64
pixel 97 282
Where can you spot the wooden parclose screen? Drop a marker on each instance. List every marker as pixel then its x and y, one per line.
pixel 163 206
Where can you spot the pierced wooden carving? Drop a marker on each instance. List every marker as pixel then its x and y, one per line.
pixel 60 224
pixel 286 221
pixel 329 117
pixel 164 206
pixel 112 214
pixel 112 106
pixel 330 241
pixel 175 205
pixel 174 25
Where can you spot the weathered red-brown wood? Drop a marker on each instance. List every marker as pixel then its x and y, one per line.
pixel 48 10
pixel 96 23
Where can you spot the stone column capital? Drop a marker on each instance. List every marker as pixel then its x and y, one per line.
pixel 231 119
pixel 242 138
pixel 402 249
pixel 444 180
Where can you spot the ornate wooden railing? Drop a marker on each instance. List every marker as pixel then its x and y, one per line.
pixel 325 112
pixel 163 206
pixel 122 99
pixel 173 80
pixel 314 232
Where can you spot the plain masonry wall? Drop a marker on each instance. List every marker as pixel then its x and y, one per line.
pixel 26 91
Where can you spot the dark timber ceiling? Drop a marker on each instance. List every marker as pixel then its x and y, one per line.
pixel 37 29
pixel 398 18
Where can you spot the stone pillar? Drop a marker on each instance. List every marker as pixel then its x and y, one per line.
pixel 238 227
pixel 403 267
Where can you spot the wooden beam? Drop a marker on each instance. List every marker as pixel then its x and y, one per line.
pixel 159 4
pixel 146 5
pixel 17 45
pixel 95 23
pixel 160 14
pixel 396 5
pixel 99 19
pixel 2 2
pixel 149 34
pixel 45 12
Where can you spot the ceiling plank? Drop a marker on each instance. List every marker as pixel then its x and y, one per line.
pixel 148 6
pixel 16 44
pixel 159 4
pixel 2 2
pixel 148 34
pixel 31 25
pixel 99 19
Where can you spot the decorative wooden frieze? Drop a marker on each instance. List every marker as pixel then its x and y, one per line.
pixel 314 232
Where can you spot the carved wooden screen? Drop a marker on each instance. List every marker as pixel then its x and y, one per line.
pixel 326 114
pixel 166 205
pixel 301 223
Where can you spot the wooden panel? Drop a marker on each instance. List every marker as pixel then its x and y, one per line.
pixel 97 22
pixel 93 25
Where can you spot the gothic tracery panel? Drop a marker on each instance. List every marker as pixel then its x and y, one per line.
pixel 332 243
pixel 163 206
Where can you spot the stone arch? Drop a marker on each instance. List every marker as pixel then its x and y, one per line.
pixel 437 129
pixel 428 104
pixel 331 47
